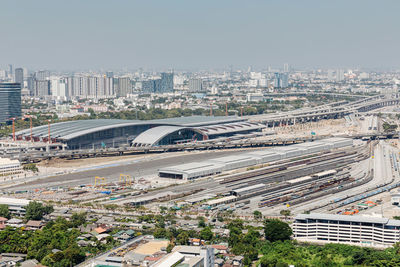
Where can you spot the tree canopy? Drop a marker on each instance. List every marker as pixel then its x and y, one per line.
pixel 277 230
pixel 36 210
pixel 4 211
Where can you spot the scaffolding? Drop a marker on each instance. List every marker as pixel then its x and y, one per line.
pixel 125 179
pixel 99 181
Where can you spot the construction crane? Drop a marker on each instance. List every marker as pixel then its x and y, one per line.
pixel 127 179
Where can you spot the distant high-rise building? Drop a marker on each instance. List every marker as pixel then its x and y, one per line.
pixel 158 83
pixel 109 87
pixel 148 86
pixel 124 86
pixel 41 88
pixel 277 80
pixel 10 70
pixel 58 87
pixel 42 75
pixel 3 74
pixel 195 85
pixel 10 101
pixel 330 75
pixel 281 80
pixel 19 76
pixel 30 82
pixel 284 80
pixel 339 75
pixel 110 74
pixel 167 82
pixel 286 67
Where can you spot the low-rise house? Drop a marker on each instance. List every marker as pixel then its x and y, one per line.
pixel 30 263
pixel 220 249
pixel 124 236
pixel 102 237
pixel 11 259
pixel 87 228
pixel 195 241
pixel 14 222
pixel 106 221
pixel 101 230
pixel 84 243
pixel 34 225
pixel 237 260
pixel 85 236
pixel 3 220
pixel 218 262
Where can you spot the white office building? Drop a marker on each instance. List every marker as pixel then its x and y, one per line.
pixel 9 167
pixel 372 231
pixel 15 205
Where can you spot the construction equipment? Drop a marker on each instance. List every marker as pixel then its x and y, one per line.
pixel 127 179
pixel 99 181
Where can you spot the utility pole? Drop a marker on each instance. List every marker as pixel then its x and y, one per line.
pixel 211 111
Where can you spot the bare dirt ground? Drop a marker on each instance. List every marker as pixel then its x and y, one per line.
pixel 75 163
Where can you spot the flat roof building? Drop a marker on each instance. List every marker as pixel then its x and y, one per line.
pixel 248 190
pixel 15 205
pixel 9 167
pixel 361 230
pixel 217 165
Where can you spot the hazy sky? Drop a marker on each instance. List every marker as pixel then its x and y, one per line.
pixel 202 34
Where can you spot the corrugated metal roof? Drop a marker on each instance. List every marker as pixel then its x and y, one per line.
pixel 244 189
pixel 153 135
pixel 222 162
pixel 71 129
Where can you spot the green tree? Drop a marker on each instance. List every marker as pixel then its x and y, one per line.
pixel 285 213
pixel 182 238
pixel 78 219
pixel 30 167
pixel 276 230
pixel 36 210
pixel 160 233
pixel 257 215
pixel 206 233
pixel 4 211
pixel 202 222
pixel 170 247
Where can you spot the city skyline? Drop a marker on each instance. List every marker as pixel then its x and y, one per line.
pixel 162 35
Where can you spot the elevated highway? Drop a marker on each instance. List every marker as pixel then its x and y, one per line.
pixel 326 111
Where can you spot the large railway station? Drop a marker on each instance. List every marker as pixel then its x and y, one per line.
pixel 101 133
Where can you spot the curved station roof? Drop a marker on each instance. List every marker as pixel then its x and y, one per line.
pixel 72 129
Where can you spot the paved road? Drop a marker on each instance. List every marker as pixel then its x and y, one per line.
pixel 140 168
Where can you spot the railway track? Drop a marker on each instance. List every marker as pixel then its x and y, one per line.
pixel 301 190
pixel 315 158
